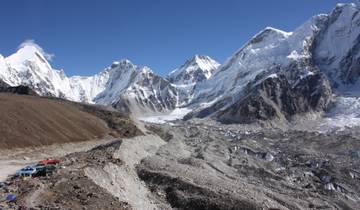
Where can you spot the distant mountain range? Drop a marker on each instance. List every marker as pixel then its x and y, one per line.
pixel 276 75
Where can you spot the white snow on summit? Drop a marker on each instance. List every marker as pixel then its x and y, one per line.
pixel 28 66
pixel 196 69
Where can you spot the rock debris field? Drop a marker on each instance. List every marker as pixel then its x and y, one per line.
pixel 197 165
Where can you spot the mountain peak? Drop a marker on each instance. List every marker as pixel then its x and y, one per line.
pixel 146 70
pixel 195 69
pixel 29 48
pixel 199 59
pixel 269 33
pixel 28 52
pixel 124 63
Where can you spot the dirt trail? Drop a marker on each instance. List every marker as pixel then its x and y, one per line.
pixel 123 181
pixel 13 160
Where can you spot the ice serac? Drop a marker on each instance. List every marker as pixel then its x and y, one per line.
pixel 137 89
pixel 195 70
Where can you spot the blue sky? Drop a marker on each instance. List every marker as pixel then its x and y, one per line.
pixel 87 35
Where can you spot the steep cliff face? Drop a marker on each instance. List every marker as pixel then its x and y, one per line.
pixel 276 98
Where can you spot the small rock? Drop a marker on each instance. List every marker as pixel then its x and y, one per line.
pixel 269 157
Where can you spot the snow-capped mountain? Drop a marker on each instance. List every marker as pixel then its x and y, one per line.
pixel 194 71
pixel 29 67
pixel 276 75
pixel 137 89
pixel 123 84
pixel 326 44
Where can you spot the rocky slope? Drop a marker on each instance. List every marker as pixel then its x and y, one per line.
pixel 276 98
pixel 206 166
pixel 35 121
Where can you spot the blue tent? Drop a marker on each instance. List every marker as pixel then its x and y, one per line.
pixel 11 198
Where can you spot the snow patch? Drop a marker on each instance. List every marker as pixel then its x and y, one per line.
pixel 176 114
pixel 273 76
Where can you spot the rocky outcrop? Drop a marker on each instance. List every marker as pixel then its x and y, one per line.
pixel 276 98
pixel 3 85
pixel 21 89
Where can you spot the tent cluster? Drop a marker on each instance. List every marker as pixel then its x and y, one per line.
pixel 42 169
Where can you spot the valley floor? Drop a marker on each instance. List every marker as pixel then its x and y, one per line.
pixel 205 165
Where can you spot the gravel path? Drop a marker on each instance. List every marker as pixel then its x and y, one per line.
pixel 13 160
pixel 123 181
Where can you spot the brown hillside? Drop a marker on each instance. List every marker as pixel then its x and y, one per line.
pixel 33 121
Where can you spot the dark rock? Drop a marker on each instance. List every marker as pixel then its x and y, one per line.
pixel 276 98
pixel 21 90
